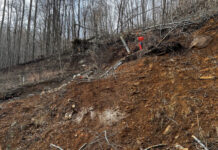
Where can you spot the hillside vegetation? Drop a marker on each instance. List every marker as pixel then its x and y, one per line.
pixel 159 97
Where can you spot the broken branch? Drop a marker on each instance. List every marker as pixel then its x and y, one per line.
pixel 165 37
pixel 105 135
pixel 112 68
pixel 169 25
pixel 199 142
pixel 84 27
pixel 133 16
pixel 55 146
pixel 124 43
pixel 83 146
pixel 155 146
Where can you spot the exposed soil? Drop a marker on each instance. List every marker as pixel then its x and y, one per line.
pixel 153 100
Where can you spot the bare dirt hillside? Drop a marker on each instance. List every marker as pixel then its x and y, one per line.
pixel 155 100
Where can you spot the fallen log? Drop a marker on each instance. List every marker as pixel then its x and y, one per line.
pixel 124 43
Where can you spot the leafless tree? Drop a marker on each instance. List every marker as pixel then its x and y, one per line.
pixel 28 30
pixel 3 18
pixel 20 33
pixel 36 28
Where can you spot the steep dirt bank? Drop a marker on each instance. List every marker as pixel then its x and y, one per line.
pixel 153 100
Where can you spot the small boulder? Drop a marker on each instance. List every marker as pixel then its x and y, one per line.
pixel 201 41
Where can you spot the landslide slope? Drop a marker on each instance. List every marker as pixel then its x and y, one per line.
pixel 153 100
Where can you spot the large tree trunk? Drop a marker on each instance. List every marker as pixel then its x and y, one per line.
pixel 15 33
pixel 153 12
pixel 20 34
pixel 47 34
pixel 78 32
pixel 28 32
pixel 73 21
pixel 2 22
pixel 9 63
pixel 34 30
pixel 144 6
pixel 164 12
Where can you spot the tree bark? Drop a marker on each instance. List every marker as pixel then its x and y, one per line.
pixel 28 31
pixel 20 34
pixel 2 22
pixel 144 6
pixel 34 30
pixel 164 12
pixel 78 17
pixel 153 12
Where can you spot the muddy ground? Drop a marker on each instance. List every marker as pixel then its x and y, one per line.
pixel 153 100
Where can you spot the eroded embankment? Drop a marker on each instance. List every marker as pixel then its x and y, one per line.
pixel 153 100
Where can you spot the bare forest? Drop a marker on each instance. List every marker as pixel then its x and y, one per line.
pixel 108 74
pixel 34 29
